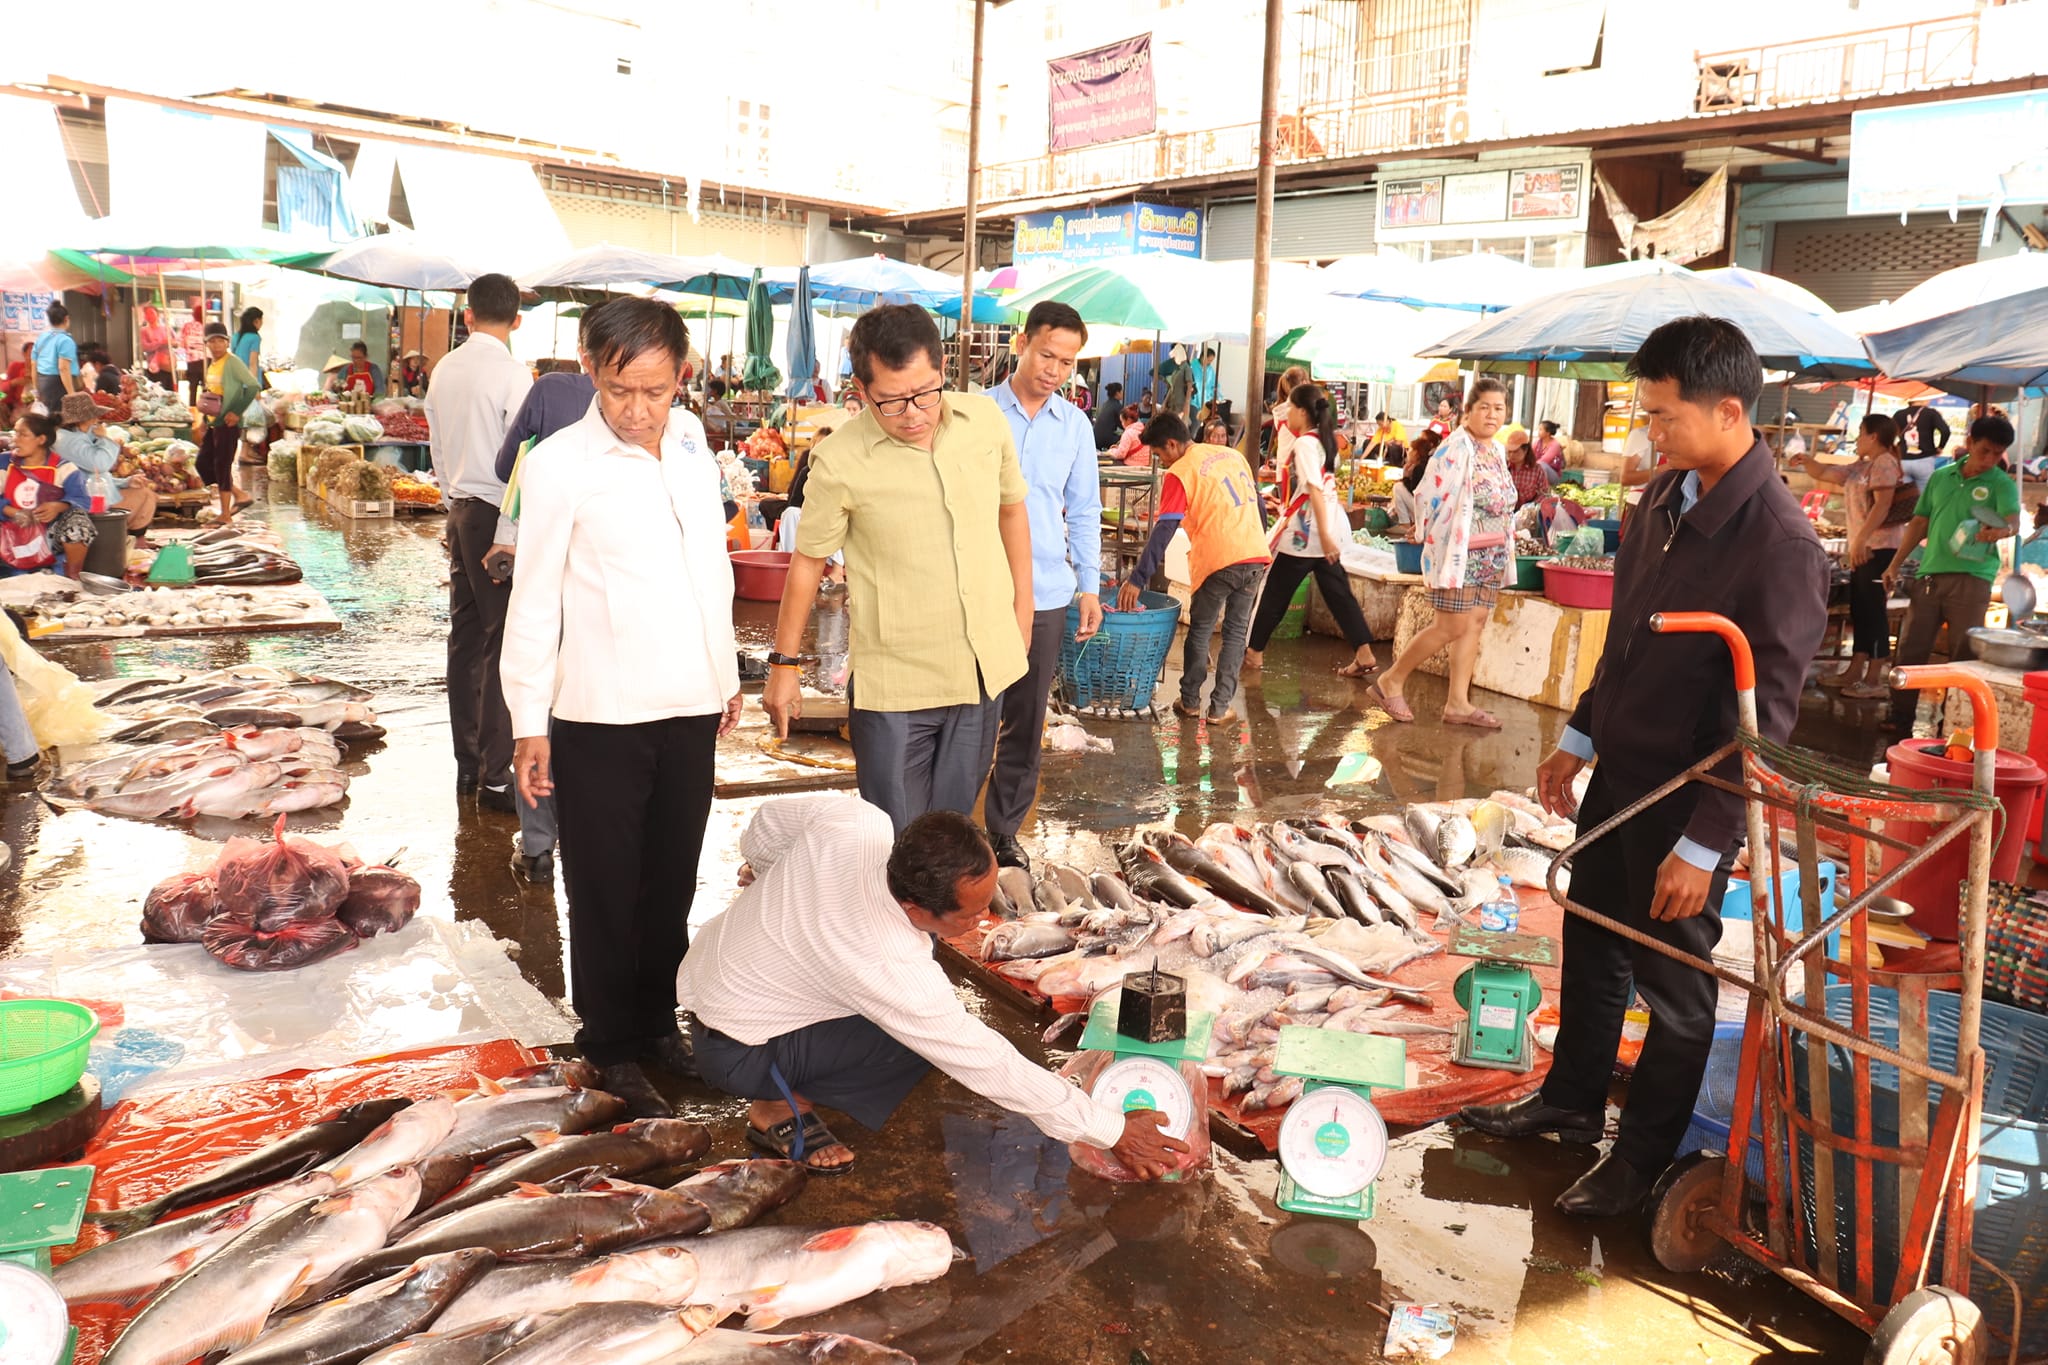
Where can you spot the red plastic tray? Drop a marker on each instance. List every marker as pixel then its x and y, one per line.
pixel 1569 587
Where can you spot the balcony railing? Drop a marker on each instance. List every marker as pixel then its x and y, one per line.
pixel 1884 61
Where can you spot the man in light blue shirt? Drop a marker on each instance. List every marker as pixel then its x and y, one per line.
pixel 1056 445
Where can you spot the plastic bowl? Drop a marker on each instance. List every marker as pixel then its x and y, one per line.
pixel 1570 587
pixel 1529 573
pixel 43 1044
pixel 1407 556
pixel 757 575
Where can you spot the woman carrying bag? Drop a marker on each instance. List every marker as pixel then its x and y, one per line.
pixel 1467 506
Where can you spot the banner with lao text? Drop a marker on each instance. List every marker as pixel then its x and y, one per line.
pixel 1103 94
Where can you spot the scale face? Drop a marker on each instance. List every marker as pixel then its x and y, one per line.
pixel 35 1327
pixel 1139 1082
pixel 1333 1142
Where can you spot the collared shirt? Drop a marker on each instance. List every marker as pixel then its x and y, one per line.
pixel 1956 508
pixel 928 583
pixel 475 393
pixel 817 936
pixel 1056 448
pixel 622 606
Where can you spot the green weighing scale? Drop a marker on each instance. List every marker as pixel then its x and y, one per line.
pixel 1147 1029
pixel 1498 993
pixel 38 1210
pixel 1333 1142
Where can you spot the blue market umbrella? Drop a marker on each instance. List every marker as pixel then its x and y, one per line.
pixel 1975 327
pixel 803 340
pixel 988 309
pixel 758 371
pixel 872 280
pixel 1609 319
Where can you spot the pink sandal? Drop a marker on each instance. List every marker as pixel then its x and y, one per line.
pixel 1476 718
pixel 1393 706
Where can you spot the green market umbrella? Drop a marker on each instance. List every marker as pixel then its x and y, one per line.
pixel 759 372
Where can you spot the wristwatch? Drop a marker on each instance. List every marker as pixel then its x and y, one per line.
pixel 777 659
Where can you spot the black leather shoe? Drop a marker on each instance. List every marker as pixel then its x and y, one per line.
pixel 1009 853
pixel 26 770
pixel 497 798
pixel 537 869
pixel 672 1052
pixel 629 1083
pixel 465 783
pixel 1611 1189
pixel 1529 1116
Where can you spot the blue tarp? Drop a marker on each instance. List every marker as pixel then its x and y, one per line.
pixel 312 196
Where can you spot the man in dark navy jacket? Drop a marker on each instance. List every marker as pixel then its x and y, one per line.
pixel 1717 531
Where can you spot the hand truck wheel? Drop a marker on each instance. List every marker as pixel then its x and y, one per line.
pixel 1689 1187
pixel 1931 1326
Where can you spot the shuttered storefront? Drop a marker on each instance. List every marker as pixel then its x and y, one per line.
pixel 1305 227
pixel 1854 262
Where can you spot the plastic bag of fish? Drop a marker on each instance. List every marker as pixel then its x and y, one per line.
pixel 267 907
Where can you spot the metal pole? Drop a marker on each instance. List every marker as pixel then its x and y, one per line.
pixel 967 253
pixel 1262 232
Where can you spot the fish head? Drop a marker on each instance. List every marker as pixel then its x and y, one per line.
pixel 673 1141
pixel 449 1272
pixel 911 1252
pixel 595 1108
pixel 389 1197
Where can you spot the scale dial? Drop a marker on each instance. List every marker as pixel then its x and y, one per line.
pixel 1333 1142
pixel 33 1319
pixel 1148 1083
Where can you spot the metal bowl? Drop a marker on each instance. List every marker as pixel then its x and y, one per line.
pixel 2020 649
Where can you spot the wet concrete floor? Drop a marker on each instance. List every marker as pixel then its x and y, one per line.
pixel 1061 1267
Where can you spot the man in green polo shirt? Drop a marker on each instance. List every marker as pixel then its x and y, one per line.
pixel 924 493
pixel 1966 509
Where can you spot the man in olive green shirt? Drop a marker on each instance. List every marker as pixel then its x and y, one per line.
pixel 1966 509
pixel 924 493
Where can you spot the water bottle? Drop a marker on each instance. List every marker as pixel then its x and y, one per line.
pixel 101 489
pixel 1502 914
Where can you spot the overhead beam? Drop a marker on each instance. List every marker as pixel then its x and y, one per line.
pixel 1817 155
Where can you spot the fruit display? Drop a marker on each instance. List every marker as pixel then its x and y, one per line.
pixel 410 488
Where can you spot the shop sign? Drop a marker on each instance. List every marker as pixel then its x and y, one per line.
pixel 1480 198
pixel 1412 203
pixel 1959 154
pixel 23 311
pixel 1513 201
pixel 1540 192
pixel 1107 233
pixel 1102 94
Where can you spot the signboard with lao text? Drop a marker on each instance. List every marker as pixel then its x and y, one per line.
pixel 24 312
pixel 1958 154
pixel 1511 201
pixel 1103 94
pixel 1107 232
pixel 1412 203
pixel 1539 192
pixel 1478 198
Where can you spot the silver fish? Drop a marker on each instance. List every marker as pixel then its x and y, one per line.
pixel 1276 1094
pixel 1358 902
pixel 1491 823
pixel 1526 867
pixel 1023 938
pixel 1456 842
pixel 1111 892
pixel 773 1274
pixel 131 1268
pixel 402 1139
pixel 375 1316
pixel 1016 884
pixel 660 1275
pixel 616 1333
pixel 1051 899
pixel 1074 886
pixel 1309 880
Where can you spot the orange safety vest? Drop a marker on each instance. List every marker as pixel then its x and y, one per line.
pixel 1222 519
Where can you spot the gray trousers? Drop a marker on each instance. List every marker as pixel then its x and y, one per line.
pixel 1013 782
pixel 1960 600
pixel 1231 592
pixel 536 826
pixel 909 762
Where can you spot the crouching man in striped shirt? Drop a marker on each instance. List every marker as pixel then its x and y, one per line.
pixel 818 986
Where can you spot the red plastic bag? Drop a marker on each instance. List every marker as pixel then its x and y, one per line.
pixel 295 945
pixel 177 908
pixel 269 887
pixel 380 899
pixel 1086 1066
pixel 24 547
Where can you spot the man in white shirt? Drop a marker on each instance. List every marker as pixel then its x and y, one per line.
pixel 818 986
pixel 474 395
pixel 621 671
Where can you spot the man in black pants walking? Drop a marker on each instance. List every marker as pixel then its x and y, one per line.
pixel 1717 531
pixel 476 392
pixel 621 672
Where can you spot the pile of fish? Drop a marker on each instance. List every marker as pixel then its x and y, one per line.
pixel 271 907
pixel 241 553
pixel 1294 922
pixel 233 743
pixel 180 608
pixel 385 1233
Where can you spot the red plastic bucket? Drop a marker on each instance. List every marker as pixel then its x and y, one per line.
pixel 1933 888
pixel 757 575
pixel 1569 587
pixel 2036 688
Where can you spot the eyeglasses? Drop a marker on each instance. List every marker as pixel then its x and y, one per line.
pixel 895 407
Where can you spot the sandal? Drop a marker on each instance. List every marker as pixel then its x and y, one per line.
pixel 1355 669
pixel 1393 706
pixel 782 1140
pixel 1476 718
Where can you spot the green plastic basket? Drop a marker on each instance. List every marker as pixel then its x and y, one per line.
pixel 1529 572
pixel 42 1050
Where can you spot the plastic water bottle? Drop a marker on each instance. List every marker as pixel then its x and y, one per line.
pixel 1502 914
pixel 101 489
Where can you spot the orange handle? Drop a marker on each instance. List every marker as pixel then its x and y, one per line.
pixel 1983 707
pixel 1670 622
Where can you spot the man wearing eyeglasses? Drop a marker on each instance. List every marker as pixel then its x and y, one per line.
pixel 924 493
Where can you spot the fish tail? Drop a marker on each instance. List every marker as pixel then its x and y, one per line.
pixel 125 1221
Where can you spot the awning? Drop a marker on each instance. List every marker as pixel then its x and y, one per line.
pixel 493 205
pixel 312 195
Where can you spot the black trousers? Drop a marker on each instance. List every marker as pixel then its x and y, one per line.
pixel 1617 876
pixel 1871 627
pixel 1286 575
pixel 1013 779
pixel 846 1064
pixel 632 801
pixel 476 628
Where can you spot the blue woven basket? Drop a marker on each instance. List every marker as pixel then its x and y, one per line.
pixel 1714 1111
pixel 1120 666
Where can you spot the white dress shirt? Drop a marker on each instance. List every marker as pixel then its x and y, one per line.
pixel 622 599
pixel 474 394
pixel 818 937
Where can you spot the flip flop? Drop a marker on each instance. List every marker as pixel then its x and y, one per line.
pixel 1354 669
pixel 1476 718
pixel 779 1140
pixel 1396 707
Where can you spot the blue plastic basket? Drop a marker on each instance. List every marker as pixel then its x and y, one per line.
pixel 1714 1111
pixel 1609 527
pixel 1407 556
pixel 1119 667
pixel 1735 901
